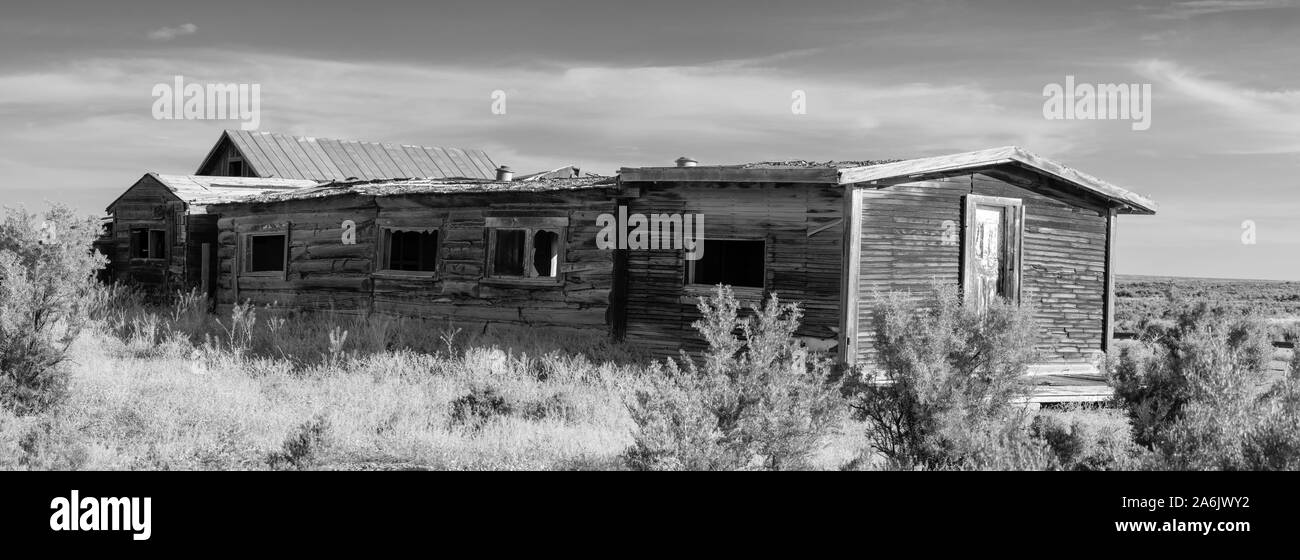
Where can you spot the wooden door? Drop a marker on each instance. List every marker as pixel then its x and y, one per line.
pixel 994 229
pixel 990 250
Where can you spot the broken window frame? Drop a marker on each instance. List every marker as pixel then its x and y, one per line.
pixel 386 230
pixel 531 226
pixel 693 288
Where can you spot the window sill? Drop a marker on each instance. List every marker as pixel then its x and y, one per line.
pixel 147 260
pixel 744 294
pixel 541 282
pixel 405 274
pixel 263 274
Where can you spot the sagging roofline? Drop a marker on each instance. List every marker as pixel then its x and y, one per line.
pixel 906 171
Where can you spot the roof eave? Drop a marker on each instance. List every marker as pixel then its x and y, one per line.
pixel 909 171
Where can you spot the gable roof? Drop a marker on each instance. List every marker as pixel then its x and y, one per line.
pixel 271 154
pixel 905 171
pixel 971 162
pixel 199 191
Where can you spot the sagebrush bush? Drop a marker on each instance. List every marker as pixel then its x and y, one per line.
pixel 302 448
pixel 1194 387
pixel 946 378
pixel 47 274
pixel 1272 443
pixel 479 406
pixel 1089 438
pixel 1204 352
pixel 760 400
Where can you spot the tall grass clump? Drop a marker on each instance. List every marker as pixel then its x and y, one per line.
pixel 754 401
pixel 47 272
pixel 947 381
pixel 1196 391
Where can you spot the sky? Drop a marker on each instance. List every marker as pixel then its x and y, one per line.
pixel 604 84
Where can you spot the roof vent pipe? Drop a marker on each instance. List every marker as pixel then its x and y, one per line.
pixel 686 162
pixel 505 174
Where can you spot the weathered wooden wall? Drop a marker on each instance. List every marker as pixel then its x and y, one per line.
pixel 323 273
pixel 326 274
pixel 149 204
pixel 804 232
pixel 1063 266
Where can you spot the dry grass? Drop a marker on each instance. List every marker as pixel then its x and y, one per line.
pixel 145 395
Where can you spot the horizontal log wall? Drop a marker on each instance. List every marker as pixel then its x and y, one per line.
pixel 1063 266
pixel 325 274
pixel 801 266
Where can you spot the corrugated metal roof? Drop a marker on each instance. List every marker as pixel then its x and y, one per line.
pixel 272 154
pixel 198 191
pixel 433 186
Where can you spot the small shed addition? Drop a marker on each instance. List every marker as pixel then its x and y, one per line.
pixel 160 226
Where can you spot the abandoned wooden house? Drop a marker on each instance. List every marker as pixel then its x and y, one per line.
pixel 160 225
pixel 999 222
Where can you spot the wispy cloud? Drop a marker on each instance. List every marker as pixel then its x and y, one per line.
pixel 169 33
pixel 1233 118
pixel 600 117
pixel 1194 8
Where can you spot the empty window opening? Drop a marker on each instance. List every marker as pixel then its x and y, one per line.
pixel 148 244
pixel 734 262
pixel 268 253
pixel 526 252
pixel 509 252
pixel 546 253
pixel 412 250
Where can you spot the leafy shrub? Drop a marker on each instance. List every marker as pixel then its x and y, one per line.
pixel 1194 389
pixel 1273 442
pixel 948 375
pixel 1204 353
pixel 480 405
pixel 302 448
pixel 47 272
pixel 554 406
pixel 759 400
pixel 1089 439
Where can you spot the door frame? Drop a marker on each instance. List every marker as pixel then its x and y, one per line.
pixel 1013 243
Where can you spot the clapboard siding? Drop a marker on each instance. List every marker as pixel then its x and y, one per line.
pixel 1063 267
pixel 799 267
pixel 902 248
pixel 324 274
pixel 1064 270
